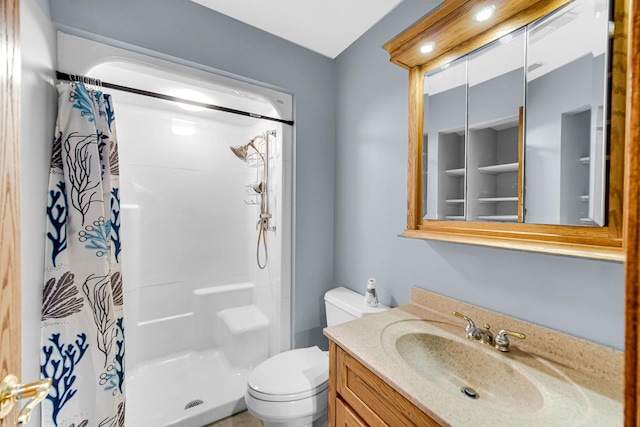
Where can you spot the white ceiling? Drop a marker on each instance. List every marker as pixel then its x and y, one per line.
pixel 324 26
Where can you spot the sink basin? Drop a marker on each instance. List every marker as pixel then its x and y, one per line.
pixel 455 366
pixel 498 385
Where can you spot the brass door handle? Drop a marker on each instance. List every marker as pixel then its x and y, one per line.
pixel 11 391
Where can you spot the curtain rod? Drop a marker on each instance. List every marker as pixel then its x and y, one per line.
pixel 89 80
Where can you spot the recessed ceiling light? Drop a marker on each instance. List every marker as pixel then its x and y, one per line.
pixel 427 47
pixel 485 13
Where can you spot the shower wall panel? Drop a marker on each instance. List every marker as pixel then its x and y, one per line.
pixel 185 222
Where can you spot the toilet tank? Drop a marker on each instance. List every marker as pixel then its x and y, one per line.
pixel 343 304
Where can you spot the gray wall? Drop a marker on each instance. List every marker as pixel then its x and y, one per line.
pixel 45 6
pixel 186 30
pixel 581 297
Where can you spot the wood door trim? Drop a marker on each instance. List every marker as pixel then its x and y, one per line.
pixel 9 194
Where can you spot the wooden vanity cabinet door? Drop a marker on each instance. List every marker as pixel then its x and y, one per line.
pixel 375 401
pixel 345 417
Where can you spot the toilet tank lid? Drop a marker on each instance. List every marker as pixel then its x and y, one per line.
pixel 351 302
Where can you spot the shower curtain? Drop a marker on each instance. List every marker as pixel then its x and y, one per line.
pixel 82 305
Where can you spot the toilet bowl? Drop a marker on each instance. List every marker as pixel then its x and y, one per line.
pixel 299 395
pixel 290 389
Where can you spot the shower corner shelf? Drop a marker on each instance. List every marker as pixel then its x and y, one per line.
pixel 253 195
pixel 254 160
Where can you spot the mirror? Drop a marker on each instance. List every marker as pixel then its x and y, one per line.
pixel 487 159
pixel 495 81
pixel 517 124
pixel 444 146
pixel 565 138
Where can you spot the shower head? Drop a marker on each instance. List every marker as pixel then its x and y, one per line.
pixel 241 150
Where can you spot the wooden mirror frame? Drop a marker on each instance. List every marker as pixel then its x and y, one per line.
pixel 632 228
pixel 449 28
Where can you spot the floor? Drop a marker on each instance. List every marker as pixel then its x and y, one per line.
pixel 243 419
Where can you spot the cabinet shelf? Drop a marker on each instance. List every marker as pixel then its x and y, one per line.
pixel 455 172
pixel 511 218
pixel 506 167
pixel 497 199
pixel 454 201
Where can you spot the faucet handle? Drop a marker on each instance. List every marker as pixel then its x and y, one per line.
pixel 471 329
pixel 462 316
pixel 502 341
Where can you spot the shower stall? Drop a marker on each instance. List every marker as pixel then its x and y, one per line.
pixel 206 238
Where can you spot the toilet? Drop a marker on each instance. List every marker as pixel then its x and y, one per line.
pixel 290 388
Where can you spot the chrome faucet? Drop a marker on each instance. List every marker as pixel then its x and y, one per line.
pixel 485 336
pixel 474 333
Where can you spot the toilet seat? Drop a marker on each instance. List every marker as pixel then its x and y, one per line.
pixel 291 375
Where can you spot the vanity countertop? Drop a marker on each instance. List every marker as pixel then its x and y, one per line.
pixel 547 379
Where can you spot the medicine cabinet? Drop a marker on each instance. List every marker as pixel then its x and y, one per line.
pixel 517 124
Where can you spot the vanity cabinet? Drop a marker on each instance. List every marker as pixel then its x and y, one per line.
pixel 346 417
pixel 358 397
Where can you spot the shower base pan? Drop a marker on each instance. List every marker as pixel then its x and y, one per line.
pixel 186 390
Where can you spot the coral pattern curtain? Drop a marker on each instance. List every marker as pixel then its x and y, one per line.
pixel 82 305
